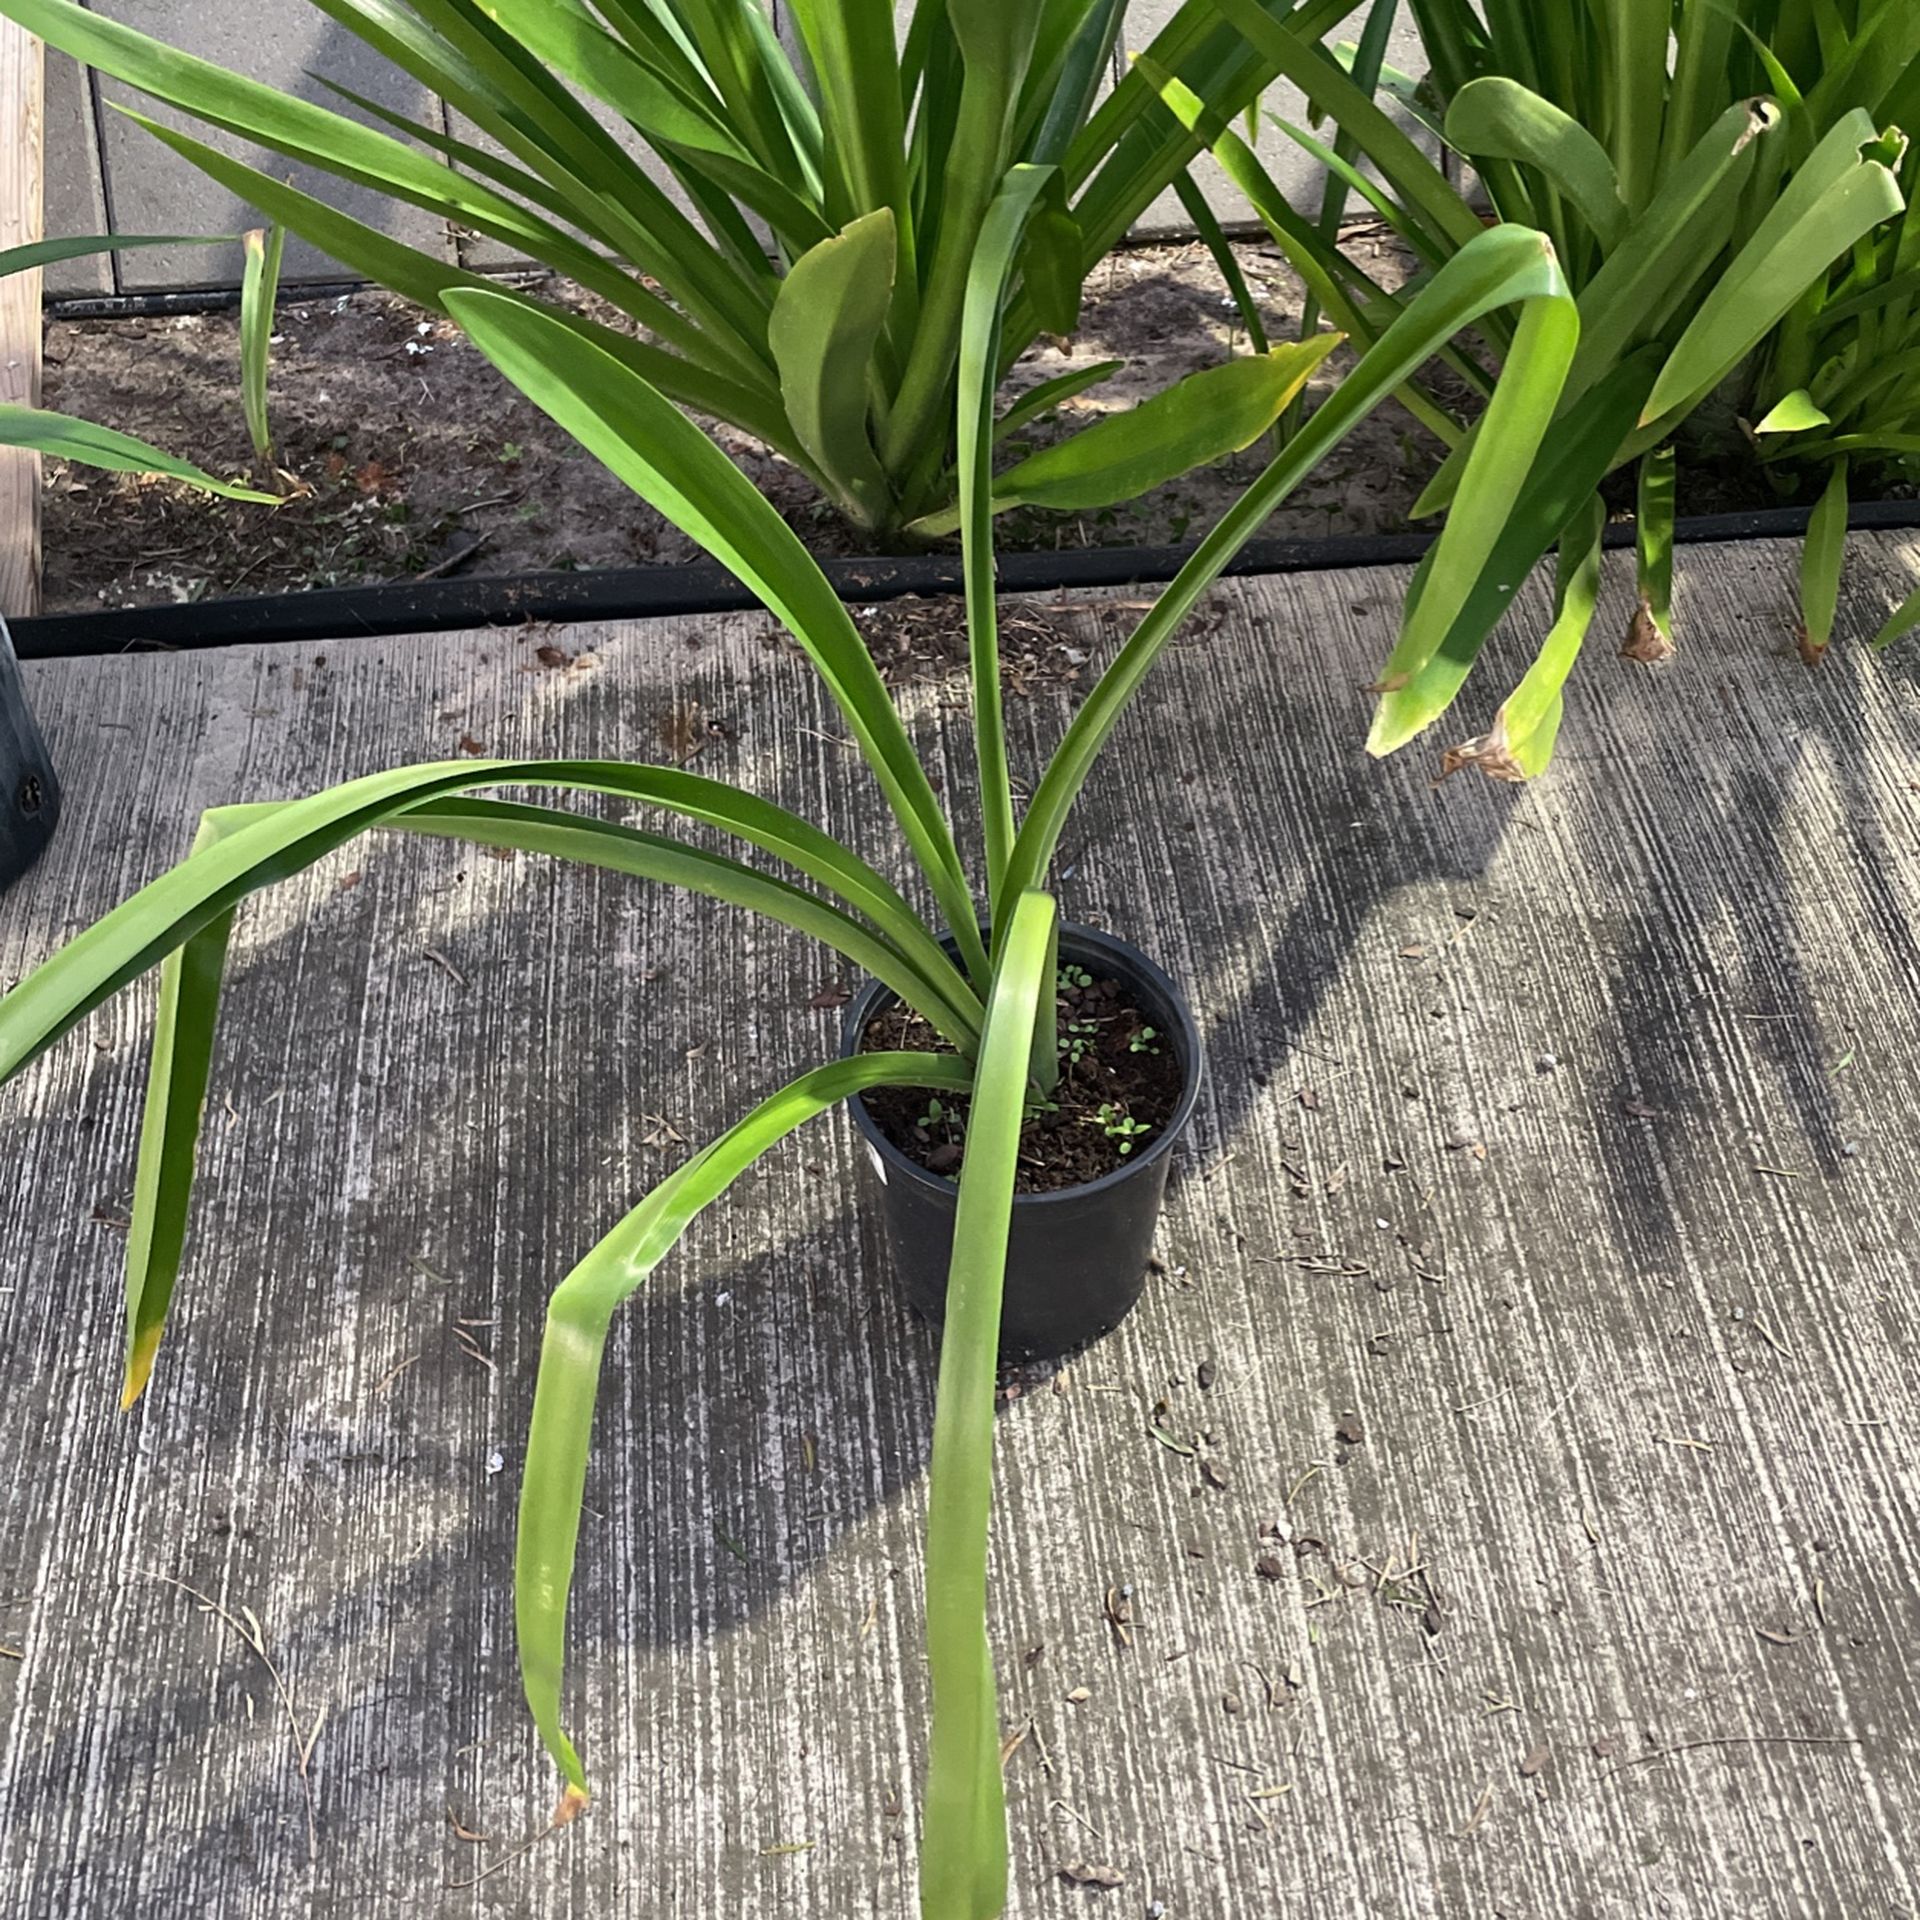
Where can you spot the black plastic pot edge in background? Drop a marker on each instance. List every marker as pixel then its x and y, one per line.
pixel 638 593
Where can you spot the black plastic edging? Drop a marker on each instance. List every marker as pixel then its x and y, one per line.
pixel 635 593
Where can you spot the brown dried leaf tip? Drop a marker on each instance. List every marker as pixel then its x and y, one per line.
pixel 1645 642
pixel 1489 753
pixel 1811 652
pixel 572 1804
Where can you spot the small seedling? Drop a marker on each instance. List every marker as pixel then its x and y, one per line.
pixel 1143 1039
pixel 1077 1038
pixel 937 1117
pixel 1120 1126
pixel 1072 976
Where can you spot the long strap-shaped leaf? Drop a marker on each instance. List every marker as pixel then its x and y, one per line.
pixel 190 978
pixel 1503 265
pixel 289 125
pixel 1822 557
pixel 996 44
pixel 963 1865
pixel 422 278
pixel 183 1033
pixel 942 997
pixel 1570 466
pixel 1356 305
pixel 1839 194
pixel 1520 742
pixel 65 438
pixel 259 288
pixel 288 837
pixel 578 1316
pixel 1419 183
pixel 646 441
pixel 993 261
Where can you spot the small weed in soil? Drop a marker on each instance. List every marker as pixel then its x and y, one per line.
pixel 1119 1085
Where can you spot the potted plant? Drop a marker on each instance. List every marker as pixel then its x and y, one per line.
pixel 1011 1015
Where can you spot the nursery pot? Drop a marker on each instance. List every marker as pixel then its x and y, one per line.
pixel 29 794
pixel 1076 1258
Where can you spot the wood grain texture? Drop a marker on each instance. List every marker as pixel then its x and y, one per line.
pixel 22 147
pixel 1557 1144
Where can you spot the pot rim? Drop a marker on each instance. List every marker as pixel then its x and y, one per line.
pixel 1075 941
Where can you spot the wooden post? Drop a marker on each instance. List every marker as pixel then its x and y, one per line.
pixel 22 131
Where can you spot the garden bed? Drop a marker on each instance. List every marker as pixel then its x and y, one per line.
pixel 414 462
pixel 1555 1134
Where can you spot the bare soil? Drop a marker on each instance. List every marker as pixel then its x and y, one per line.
pixel 408 457
pixel 1119 1086
pixel 411 456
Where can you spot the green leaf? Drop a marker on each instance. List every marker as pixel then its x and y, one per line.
pixel 424 279
pixel 1793 413
pixel 578 1316
pixel 259 285
pixel 1828 204
pixel 1573 460
pixel 1673 243
pixel 1423 190
pixel 183 1035
pixel 1902 620
pixel 1501 266
pixel 64 438
pixel 1650 638
pixel 1049 262
pixel 1041 399
pixel 1497 118
pixel 1362 313
pixel 996 44
pixel 1200 419
pixel 1497 466
pixel 563 37
pixel 1212 235
pixel 288 837
pixel 826 322
pixel 940 996
pixel 645 440
pixel 993 257
pixel 1520 742
pixel 47 253
pixel 1822 557
pixel 963 1866
pixel 1637 32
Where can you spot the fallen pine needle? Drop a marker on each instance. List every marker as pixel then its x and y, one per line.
pixel 1738 1740
pixel 1481 1808
pixel 564 1815
pixel 304 1738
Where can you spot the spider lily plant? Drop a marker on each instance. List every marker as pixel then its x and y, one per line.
pixel 1688 215
pixel 991 995
pixel 806 283
pixel 1837 387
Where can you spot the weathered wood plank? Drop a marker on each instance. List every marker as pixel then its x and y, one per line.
pixel 1642 1408
pixel 22 127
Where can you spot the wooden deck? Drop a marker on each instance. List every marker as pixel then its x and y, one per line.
pixel 1544 1544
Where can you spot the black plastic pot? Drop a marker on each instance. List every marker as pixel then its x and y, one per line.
pixel 1076 1259
pixel 29 794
